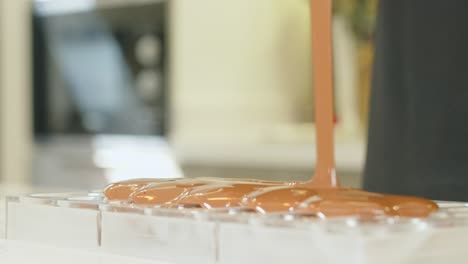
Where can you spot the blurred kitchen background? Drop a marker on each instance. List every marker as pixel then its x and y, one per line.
pixel 93 91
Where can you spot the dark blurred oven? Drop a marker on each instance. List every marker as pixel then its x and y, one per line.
pixel 100 93
pixel 99 67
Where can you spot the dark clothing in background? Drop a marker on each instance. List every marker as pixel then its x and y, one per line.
pixel 418 131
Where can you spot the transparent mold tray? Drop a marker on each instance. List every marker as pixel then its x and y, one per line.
pixel 86 221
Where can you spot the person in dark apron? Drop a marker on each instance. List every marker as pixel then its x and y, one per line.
pixel 418 124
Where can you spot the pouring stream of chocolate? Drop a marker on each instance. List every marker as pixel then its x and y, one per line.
pixel 321 20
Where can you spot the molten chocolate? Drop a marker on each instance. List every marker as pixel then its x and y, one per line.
pixel 221 195
pixel 201 192
pixel 334 202
pixel 321 20
pixel 120 191
pixel 163 193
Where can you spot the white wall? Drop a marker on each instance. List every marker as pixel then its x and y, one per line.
pixel 15 131
pixel 238 63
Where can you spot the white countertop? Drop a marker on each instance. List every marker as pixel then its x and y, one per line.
pixel 17 189
pixel 12 252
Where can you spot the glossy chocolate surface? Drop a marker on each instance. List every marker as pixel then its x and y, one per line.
pixel 198 192
pixel 334 202
pixel 221 194
pixel 120 191
pixel 163 194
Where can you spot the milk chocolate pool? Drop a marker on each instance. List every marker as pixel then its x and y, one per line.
pixel 269 197
pixel 120 191
pixel 335 202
